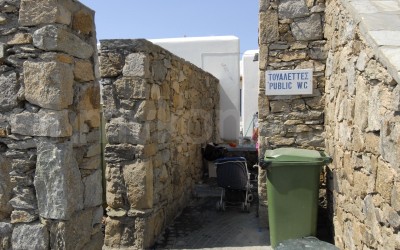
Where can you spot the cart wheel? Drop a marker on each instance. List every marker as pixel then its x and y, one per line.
pixel 248 207
pixel 249 198
pixel 223 205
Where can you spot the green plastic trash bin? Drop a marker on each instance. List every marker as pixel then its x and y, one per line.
pixel 292 188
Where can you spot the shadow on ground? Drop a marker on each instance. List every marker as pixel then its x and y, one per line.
pixel 200 226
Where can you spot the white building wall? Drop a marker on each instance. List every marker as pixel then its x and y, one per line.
pixel 250 80
pixel 219 55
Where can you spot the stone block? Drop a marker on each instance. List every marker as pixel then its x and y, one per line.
pixel 371 220
pixel 138 178
pixel 159 71
pixel 115 188
pixel 32 13
pixel 395 196
pixel 20 38
pixel 83 71
pixel 147 111
pixel 24 198
pixel 9 88
pixel 389 138
pixel 289 9
pixel 87 97
pixel 269 27
pixel 361 102
pixel 23 216
pixel 136 64
pixel 279 106
pixel 30 236
pixel 111 64
pixel 384 180
pixel 54 38
pixel 58 181
pixel 5 188
pixel 72 234
pixel 93 195
pixel 374 109
pixel 132 88
pixel 5 235
pixel 120 153
pixel 308 29
pixel 49 84
pixel 120 233
pixel 155 92
pixel 44 123
pixel 119 130
pixel 83 22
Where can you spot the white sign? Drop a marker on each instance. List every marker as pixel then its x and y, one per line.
pixel 289 82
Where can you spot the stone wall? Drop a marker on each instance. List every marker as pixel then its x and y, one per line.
pixel 50 180
pixel 362 134
pixel 290 37
pixel 159 111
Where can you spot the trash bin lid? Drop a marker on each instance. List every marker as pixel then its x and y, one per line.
pixel 296 155
pixel 306 243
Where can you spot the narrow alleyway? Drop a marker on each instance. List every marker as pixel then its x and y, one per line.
pixel 200 226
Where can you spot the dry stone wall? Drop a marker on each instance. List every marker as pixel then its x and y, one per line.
pixel 362 135
pixel 290 37
pixel 159 110
pixel 50 176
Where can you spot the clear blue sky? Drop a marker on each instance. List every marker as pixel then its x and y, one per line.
pixel 152 19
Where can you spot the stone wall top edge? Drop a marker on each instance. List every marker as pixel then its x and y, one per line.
pixel 141 45
pixel 391 62
pixel 81 5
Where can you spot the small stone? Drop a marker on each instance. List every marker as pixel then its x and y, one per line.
pixel 3 19
pixel 136 64
pixel 30 236
pixel 54 38
pixel 21 216
pixel 93 195
pixel 21 38
pixel 83 71
pixel 32 13
pixel 83 22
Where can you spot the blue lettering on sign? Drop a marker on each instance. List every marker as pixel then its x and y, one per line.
pixel 280 85
pixel 302 85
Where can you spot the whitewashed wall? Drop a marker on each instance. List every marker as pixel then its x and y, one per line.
pixel 250 80
pixel 219 55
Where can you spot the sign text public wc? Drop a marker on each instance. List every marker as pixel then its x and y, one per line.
pixel 289 82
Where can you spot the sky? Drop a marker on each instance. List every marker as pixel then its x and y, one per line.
pixel 154 19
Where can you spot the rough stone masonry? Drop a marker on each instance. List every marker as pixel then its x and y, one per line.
pixel 50 176
pixel 159 111
pixel 290 37
pixel 362 126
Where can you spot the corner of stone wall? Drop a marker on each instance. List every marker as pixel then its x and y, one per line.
pixel 362 134
pixel 290 37
pixel 159 110
pixel 51 192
